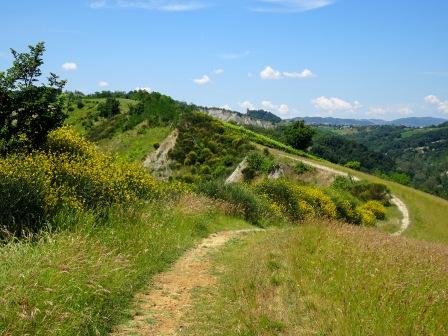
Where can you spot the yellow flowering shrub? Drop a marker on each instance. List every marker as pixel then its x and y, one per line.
pixel 317 199
pixel 376 208
pixel 71 174
pixel 65 140
pixel 367 217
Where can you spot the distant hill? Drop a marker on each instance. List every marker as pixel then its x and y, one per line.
pixel 418 122
pixel 409 122
pixel 264 115
pixel 335 121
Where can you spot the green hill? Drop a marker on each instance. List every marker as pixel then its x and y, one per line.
pixel 96 228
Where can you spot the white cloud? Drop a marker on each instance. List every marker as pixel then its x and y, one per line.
pixel 282 109
pixel 204 80
pixel 161 5
pixel 269 73
pixel 226 107
pixel 218 71
pixel 335 104
pixel 103 84
pixel 290 6
pixel 246 105
pixel 307 73
pixel 147 89
pixel 69 66
pixel 431 99
pixel 442 105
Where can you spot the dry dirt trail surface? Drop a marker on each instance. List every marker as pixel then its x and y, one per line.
pixel 405 221
pixel 160 309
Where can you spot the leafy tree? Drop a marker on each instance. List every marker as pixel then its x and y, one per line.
pixel 299 135
pixel 28 110
pixel 109 108
pixel 356 165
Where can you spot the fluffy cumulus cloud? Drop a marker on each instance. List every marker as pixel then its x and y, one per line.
pixel 281 109
pixel 335 104
pixel 442 105
pixel 103 84
pixel 288 6
pixel 161 5
pixel 204 80
pixel 246 105
pixel 269 73
pixel 69 66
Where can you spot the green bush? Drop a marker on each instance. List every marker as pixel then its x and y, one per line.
pixel 237 194
pixel 22 193
pixel 372 192
pixel 353 165
pixel 364 191
pixel 301 168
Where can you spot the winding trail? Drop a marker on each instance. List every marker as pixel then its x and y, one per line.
pixel 405 221
pixel 161 308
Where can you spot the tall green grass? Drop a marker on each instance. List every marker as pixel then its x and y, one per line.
pixel 80 281
pixel 325 279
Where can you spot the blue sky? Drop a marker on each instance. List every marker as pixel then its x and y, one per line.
pixel 343 58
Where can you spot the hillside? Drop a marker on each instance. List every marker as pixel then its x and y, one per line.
pixel 113 230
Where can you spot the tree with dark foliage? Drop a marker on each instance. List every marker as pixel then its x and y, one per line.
pixel 109 108
pixel 299 135
pixel 28 110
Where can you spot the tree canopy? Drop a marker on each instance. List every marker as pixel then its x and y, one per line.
pixel 29 109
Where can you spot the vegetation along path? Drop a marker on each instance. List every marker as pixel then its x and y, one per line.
pixel 405 221
pixel 160 310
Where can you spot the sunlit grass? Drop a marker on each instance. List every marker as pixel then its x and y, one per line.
pixel 325 279
pixel 80 282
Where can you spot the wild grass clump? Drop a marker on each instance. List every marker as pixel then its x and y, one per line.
pixel 255 209
pixel 70 173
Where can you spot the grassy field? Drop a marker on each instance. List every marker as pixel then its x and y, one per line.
pixel 325 279
pixel 135 144
pixel 79 116
pixel 80 282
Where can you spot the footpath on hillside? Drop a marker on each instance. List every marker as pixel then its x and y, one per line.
pixel 405 221
pixel 160 309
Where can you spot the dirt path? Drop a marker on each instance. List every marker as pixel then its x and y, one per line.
pixel 159 310
pixel 405 221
